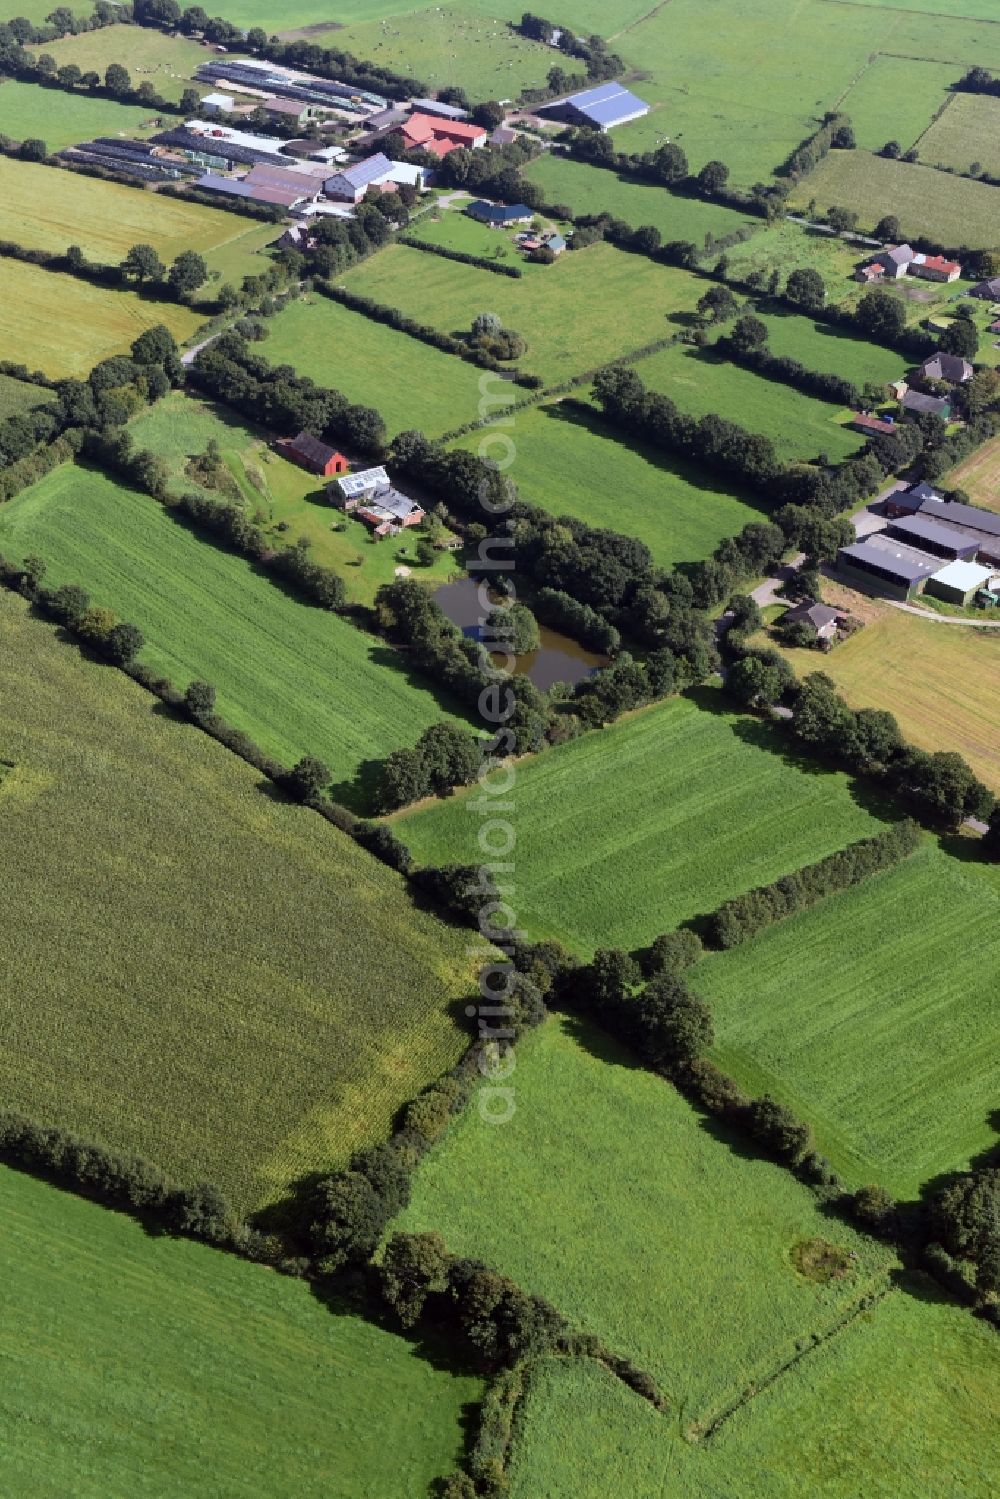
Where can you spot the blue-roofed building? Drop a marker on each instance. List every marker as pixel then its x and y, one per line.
pixel 499 215
pixel 351 184
pixel 598 108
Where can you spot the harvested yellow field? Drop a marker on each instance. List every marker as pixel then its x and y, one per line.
pixel 979 476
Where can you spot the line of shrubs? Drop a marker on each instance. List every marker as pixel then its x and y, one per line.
pixel 822 384
pixel 380 312
pixel 743 917
pixel 462 256
pixel 560 611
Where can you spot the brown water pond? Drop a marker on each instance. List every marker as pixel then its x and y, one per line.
pixel 558 658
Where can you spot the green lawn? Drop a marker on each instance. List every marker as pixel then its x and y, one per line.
pixel 903 1402
pixel 279 493
pixel 590 189
pixel 19 396
pixel 207 976
pixel 456 231
pixel 412 384
pixel 951 210
pixel 63 326
pixel 156 1367
pixel 61 119
pixel 590 306
pixel 800 426
pixel 167 62
pixel 574 466
pixel 297 678
pixel 967 132
pixel 606 1194
pixel 835 351
pixel 624 833
pixel 875 1018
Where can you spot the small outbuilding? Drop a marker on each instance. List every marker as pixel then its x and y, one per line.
pixel 819 618
pixel 318 457
pixel 959 582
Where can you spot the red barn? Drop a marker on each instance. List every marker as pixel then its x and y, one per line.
pixel 318 457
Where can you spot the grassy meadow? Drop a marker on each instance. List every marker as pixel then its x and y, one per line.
pixel 896 98
pixel 142 1365
pixel 901 1402
pixel 279 493
pixel 979 476
pixel 63 326
pixel 608 1196
pixel 298 679
pixel 786 246
pixel 106 218
pixel 61 119
pixel 872 1021
pixel 941 681
pixel 589 189
pixel 715 805
pixel 572 465
pixel 588 308
pixel 412 384
pixel 800 426
pixel 832 350
pixel 202 988
pixel 167 62
pixel 20 396
pixel 926 202
pixel 966 133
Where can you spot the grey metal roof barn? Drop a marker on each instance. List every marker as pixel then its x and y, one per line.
pixel 891 560
pixel 608 104
pixel 944 541
pixel 954 513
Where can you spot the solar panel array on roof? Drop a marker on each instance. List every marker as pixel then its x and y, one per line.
pixel 364 172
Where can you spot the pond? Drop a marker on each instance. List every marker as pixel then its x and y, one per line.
pixel 558 658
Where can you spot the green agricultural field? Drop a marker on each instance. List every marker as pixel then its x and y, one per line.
pixel 279 493
pixel 715 805
pixel 167 62
pixel 979 476
pixel 608 1196
pixel 456 231
pixel 20 396
pixel 446 45
pixel 106 218
pixel 298 679
pixel 896 98
pixel 63 326
pixel 800 426
pixel 872 1020
pixel 833 350
pixel 904 1401
pixel 228 985
pixel 926 202
pixel 966 133
pixel 61 119
pixel 410 383
pixel 785 247
pixel 590 189
pixel 572 465
pixel 140 1365
pixel 590 306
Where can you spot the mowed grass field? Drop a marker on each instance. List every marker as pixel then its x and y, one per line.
pixel 570 465
pixel 967 132
pixel 926 202
pixel 608 1196
pixel 800 426
pixel 105 218
pixel 140 1365
pixel 979 476
pixel 589 189
pixel 64 326
pixel 297 678
pixel 279 493
pixel 896 98
pixel 62 119
pixel 625 833
pixel 941 681
pixel 167 62
pixel 411 383
pixel 821 346
pixel 211 978
pixel 874 1015
pixel 902 1402
pixel 590 306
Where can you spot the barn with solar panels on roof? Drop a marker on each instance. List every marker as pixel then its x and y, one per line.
pixel 597 108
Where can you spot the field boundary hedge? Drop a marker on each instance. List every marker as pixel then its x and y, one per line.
pixel 462 256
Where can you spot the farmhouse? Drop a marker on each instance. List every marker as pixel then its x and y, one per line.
pixel 351 183
pixel 948 367
pixel 433 133
pixel 499 215
pixel 897 261
pixel 373 498
pixel 820 618
pixel 316 456
pixel 988 291
pixel 348 492
pixel 598 108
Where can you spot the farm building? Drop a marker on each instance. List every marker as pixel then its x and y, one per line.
pixel 214 104
pixel 897 261
pixel 819 618
pixel 351 183
pixel 373 498
pixel 984 525
pixel 959 582
pixel 949 367
pixel 348 492
pixel 909 501
pixel 873 426
pixel 988 291
pixel 436 107
pixel 315 456
pixel 499 215
pixel 598 108
pixel 888 565
pixel 300 185
pixel 930 536
pixel 433 133
pixel 266 80
pixel 916 403
pixel 402 174
pixel 290 109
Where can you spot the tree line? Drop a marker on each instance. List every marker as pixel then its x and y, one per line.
pixel 499 268
pixel 140 267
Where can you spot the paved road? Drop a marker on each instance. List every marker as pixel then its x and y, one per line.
pixel 189 355
pixel 767 592
pixel 944 619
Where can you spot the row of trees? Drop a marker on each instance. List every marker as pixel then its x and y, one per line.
pixel 747 345
pixel 141 267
